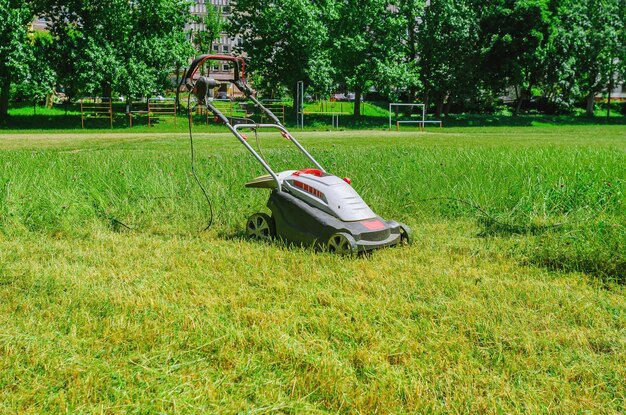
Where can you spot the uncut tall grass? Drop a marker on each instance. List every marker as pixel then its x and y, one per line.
pixel 573 195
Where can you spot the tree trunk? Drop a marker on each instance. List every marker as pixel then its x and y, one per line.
pixel 357 101
pixel 177 100
pixel 426 101
pixel 412 94
pixel 518 106
pixel 590 103
pixel 608 102
pixel 106 90
pixel 518 100
pixel 446 109
pixel 4 98
pixel 129 101
pixel 439 101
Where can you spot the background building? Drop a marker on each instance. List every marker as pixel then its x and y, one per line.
pixel 224 44
pixel 39 24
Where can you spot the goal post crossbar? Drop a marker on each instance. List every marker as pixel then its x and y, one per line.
pixel 403 104
pixel 422 123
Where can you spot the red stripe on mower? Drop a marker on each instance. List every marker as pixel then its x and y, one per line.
pixel 374 225
pixel 308 189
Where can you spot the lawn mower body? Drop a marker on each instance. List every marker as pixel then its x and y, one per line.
pixel 319 205
pixel 309 206
pixel 302 223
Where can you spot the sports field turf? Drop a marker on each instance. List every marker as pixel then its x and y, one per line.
pixel 511 299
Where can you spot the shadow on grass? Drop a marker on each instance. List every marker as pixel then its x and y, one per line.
pixel 595 252
pixel 284 245
pixel 350 122
pixel 67 117
pixel 527 120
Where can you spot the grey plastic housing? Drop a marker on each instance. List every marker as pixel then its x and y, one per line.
pixel 300 223
pixel 330 194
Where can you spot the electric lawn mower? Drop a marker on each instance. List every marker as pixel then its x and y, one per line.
pixel 309 206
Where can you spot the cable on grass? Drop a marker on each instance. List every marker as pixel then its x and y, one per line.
pixel 119 222
pixel 112 219
pixel 490 220
pixel 193 167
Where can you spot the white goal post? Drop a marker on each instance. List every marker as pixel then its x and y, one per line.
pixel 421 122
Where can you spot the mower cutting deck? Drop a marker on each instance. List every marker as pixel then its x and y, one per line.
pixel 309 206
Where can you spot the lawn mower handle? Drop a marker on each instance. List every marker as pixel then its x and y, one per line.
pixel 239 82
pixel 198 61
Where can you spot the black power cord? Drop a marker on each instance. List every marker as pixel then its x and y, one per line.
pixel 258 144
pixel 193 165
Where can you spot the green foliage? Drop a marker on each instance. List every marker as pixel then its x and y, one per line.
pixel 41 78
pixel 448 48
pixel 588 46
pixel 66 56
pixel 286 41
pixel 210 27
pixel 130 47
pixel 467 52
pixel 411 12
pixel 464 53
pixel 366 44
pixel 15 16
pixel 512 40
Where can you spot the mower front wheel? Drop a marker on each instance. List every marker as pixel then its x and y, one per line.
pixel 342 243
pixel 261 226
pixel 406 235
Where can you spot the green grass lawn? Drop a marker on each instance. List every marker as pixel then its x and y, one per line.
pixel 511 299
pixel 375 115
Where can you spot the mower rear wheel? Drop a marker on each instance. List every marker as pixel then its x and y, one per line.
pixel 342 243
pixel 260 226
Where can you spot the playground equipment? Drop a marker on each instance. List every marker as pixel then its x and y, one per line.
pixel 331 108
pixel 276 106
pixel 234 110
pixel 96 107
pixel 161 106
pixel 154 108
pixel 395 107
pixel 309 206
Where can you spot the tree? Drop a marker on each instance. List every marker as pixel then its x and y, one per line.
pixel 286 41
pixel 448 51
pixel 40 78
pixel 411 12
pixel 130 47
pixel 208 30
pixel 591 41
pixel 513 38
pixel 366 37
pixel 15 17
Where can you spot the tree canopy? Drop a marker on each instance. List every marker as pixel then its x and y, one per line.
pixel 465 52
pixel 129 47
pixel 15 47
pixel 286 41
